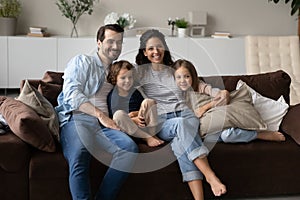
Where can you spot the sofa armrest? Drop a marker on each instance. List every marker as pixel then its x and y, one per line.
pixel 290 123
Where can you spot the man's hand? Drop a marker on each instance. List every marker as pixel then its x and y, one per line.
pixel 107 122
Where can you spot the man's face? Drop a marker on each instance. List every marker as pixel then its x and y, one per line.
pixel 110 48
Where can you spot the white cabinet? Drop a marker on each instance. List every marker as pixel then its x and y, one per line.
pixel 67 48
pixel 178 47
pixel 130 49
pixel 210 56
pixel 24 57
pixel 3 63
pixel 217 56
pixel 29 58
pixel 70 47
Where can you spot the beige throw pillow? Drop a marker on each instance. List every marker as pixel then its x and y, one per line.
pixel 31 97
pixel 240 113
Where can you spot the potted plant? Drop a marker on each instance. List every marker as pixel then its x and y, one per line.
pixel 295 7
pixel 9 12
pixel 181 25
pixel 74 9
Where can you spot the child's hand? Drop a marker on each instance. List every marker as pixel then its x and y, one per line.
pixel 133 114
pixel 222 98
pixel 199 112
pixel 139 120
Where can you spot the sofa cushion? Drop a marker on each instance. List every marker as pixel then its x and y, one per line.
pixel 271 111
pixel 271 84
pixel 53 77
pixel 31 97
pixel 239 113
pixel 26 124
pixel 50 91
pixel 290 123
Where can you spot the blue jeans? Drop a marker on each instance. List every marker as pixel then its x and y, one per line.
pixel 83 137
pixel 181 129
pixel 232 135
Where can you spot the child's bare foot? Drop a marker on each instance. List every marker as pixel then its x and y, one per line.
pixel 217 187
pixel 153 141
pixel 271 136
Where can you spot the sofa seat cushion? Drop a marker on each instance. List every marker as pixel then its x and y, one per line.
pixel 14 153
pixel 267 163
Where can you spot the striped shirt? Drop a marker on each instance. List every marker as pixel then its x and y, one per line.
pixel 161 86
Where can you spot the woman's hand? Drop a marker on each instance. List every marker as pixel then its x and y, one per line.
pixel 222 98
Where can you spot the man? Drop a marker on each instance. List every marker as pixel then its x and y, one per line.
pixel 86 128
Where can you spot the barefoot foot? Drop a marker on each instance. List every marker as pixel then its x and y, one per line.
pixel 217 187
pixel 153 141
pixel 271 136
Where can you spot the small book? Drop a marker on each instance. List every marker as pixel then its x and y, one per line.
pixel 221 35
pixel 37 29
pixel 38 34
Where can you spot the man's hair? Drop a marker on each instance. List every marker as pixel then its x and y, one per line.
pixel 101 31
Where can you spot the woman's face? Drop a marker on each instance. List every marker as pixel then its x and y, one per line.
pixel 183 78
pixel 155 50
pixel 124 80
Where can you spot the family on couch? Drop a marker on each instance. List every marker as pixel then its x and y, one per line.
pixel 83 113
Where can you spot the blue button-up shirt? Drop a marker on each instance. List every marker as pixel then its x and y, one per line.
pixel 83 76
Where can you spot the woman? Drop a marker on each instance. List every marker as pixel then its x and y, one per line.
pixel 179 125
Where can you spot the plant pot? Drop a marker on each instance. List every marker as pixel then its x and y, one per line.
pixel 8 26
pixel 181 32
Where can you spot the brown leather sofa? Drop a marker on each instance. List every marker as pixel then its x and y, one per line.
pixel 255 169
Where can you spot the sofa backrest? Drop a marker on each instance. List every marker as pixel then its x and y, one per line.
pixel 271 85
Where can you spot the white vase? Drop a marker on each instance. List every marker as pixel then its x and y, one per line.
pixel 8 26
pixel 181 32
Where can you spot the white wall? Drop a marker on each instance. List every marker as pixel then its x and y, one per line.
pixel 240 17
